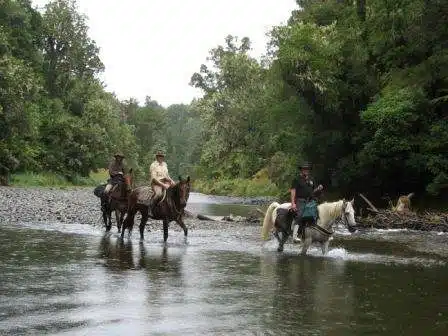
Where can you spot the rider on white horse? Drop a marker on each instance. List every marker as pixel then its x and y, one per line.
pixel 302 190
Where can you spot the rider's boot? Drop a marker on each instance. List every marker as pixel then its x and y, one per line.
pixel 296 233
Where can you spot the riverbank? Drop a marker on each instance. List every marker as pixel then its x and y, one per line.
pixel 237 187
pixel 78 205
pixel 47 179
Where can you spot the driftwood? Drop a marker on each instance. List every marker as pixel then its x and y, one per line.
pixel 229 218
pixel 372 207
pixel 389 219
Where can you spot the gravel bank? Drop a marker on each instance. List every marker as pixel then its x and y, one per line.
pixel 73 205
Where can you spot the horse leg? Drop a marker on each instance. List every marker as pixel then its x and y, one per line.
pixel 105 218
pixel 109 219
pixel 325 247
pixel 276 235
pixel 117 218
pixel 184 227
pixel 145 216
pixel 306 245
pixel 128 223
pixel 120 222
pixel 165 230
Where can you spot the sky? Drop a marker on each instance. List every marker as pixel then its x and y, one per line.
pixel 153 47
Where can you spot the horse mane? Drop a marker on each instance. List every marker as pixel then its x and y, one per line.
pixel 329 210
pixel 173 192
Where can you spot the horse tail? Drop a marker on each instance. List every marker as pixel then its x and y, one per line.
pixel 268 221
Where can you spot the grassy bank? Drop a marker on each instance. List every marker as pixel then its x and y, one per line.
pixel 29 179
pixel 236 187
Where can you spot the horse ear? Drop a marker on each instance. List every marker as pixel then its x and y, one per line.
pixel 188 178
pixel 352 201
pixel 180 178
pixel 130 171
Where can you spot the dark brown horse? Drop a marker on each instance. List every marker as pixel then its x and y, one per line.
pixel 170 208
pixel 116 201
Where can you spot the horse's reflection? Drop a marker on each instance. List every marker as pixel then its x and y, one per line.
pixel 116 253
pixel 122 255
pixel 307 290
pixel 159 264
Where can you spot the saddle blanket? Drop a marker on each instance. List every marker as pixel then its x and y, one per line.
pixel 144 194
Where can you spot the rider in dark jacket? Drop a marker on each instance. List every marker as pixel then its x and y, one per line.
pixel 116 172
pixel 302 190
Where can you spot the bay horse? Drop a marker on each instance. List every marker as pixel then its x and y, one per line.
pixel 116 201
pixel 170 208
pixel 280 217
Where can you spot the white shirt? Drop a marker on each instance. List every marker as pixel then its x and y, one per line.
pixel 159 171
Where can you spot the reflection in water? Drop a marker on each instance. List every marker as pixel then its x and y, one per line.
pixel 116 253
pixel 96 284
pixel 306 291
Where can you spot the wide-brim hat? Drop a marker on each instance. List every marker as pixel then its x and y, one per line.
pixel 305 165
pixel 160 153
pixel 119 154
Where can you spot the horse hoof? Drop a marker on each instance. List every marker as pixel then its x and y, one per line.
pixel 296 240
pixel 280 249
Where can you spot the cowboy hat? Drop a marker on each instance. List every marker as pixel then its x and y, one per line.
pixel 305 165
pixel 119 154
pixel 160 153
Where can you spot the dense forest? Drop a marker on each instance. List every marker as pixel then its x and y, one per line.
pixel 359 88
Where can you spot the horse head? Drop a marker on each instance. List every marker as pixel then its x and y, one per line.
pixel 184 190
pixel 348 215
pixel 129 179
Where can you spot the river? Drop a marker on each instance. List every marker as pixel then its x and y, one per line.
pixel 73 279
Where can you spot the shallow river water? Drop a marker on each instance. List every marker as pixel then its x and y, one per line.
pixel 73 279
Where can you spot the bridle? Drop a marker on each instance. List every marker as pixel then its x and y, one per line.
pixel 344 216
pixel 173 203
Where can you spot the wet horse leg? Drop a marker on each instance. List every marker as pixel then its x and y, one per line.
pixel 325 247
pixel 109 218
pixel 120 222
pixel 306 243
pixel 165 230
pixel 145 216
pixel 117 218
pixel 183 226
pixel 282 241
pixel 128 223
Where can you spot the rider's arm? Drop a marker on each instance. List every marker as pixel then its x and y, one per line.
pixel 293 193
pixel 111 168
pixel 167 175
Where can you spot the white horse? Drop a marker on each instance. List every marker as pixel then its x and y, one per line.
pixel 279 217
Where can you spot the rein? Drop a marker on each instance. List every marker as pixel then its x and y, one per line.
pixel 171 202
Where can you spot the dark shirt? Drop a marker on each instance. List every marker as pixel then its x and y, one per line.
pixel 304 188
pixel 116 167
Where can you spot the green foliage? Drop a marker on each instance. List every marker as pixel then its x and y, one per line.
pixel 47 179
pixel 357 87
pixel 236 187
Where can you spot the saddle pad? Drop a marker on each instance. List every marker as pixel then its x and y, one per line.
pixel 144 194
